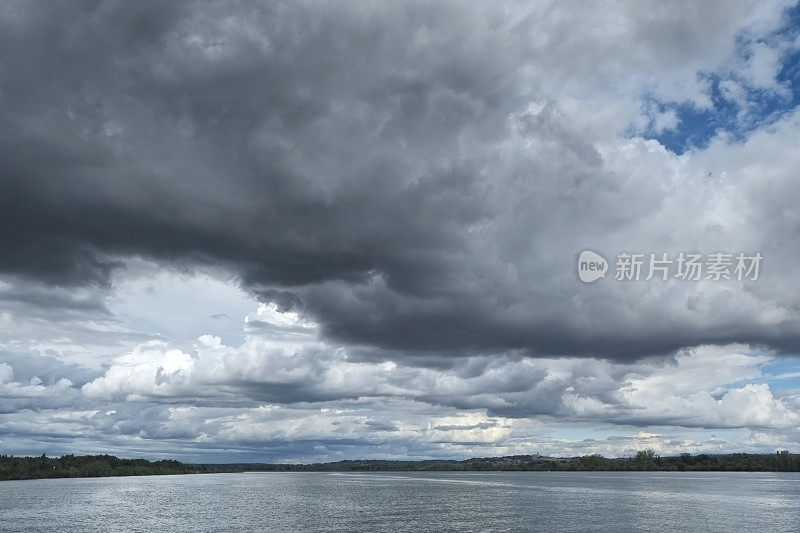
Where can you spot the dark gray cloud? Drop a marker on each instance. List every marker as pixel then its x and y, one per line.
pixel 416 180
pixel 415 176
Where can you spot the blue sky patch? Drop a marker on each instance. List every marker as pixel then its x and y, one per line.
pixel 738 106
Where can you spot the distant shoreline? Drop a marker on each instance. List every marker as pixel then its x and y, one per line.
pixel 70 466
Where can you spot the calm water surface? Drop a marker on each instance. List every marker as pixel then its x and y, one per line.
pixel 458 501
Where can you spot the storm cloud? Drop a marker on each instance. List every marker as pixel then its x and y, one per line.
pixel 413 176
pixel 367 215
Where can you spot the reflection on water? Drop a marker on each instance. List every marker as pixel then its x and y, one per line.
pixel 457 501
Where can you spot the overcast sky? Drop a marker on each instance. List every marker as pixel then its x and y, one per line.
pixel 309 231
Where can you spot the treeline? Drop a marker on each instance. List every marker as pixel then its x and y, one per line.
pixel 644 460
pixel 97 466
pixel 107 465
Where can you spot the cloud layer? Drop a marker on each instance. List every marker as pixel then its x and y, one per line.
pixel 414 177
pixel 401 191
pixel 287 394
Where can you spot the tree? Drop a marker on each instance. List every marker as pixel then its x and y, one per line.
pixel 644 460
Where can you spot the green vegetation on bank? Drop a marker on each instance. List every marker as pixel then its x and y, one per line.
pixel 107 465
pixel 782 461
pixel 97 466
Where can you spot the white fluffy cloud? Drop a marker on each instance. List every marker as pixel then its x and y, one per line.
pixel 33 393
pixel 284 384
